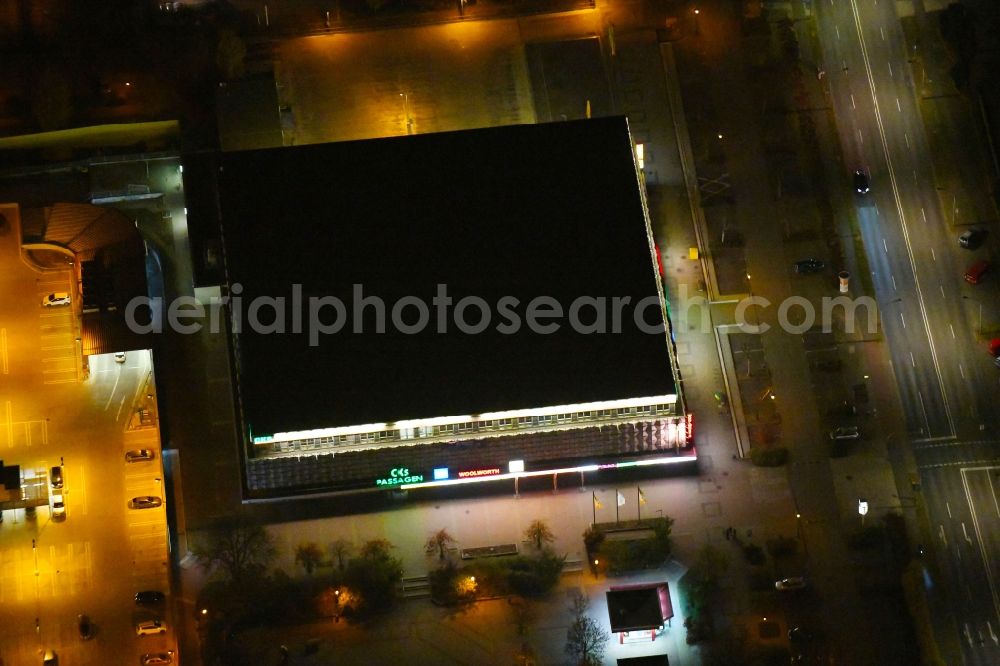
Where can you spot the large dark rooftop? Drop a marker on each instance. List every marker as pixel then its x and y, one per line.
pixel 524 211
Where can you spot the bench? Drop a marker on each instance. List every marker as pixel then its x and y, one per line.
pixel 489 551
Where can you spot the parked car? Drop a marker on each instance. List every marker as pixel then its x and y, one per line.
pixel 150 598
pixel 977 271
pixel 790 584
pixel 861 182
pixel 150 627
pixel 50 658
pixel 156 658
pixel 972 238
pixel 144 502
pixel 845 433
pixel 85 626
pixel 56 298
pixel 56 477
pixel 58 507
pixel 139 455
pixel 809 266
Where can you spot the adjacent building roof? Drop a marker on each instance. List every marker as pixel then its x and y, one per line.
pixel 525 211
pixel 638 607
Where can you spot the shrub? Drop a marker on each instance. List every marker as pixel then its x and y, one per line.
pixel 754 554
pixel 769 457
pixel 443 586
pixel 592 539
pixel 781 546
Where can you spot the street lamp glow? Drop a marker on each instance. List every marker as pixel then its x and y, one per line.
pixel 204 611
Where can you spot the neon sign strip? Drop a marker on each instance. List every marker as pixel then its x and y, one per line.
pixel 562 470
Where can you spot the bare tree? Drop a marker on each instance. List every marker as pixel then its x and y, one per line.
pixel 539 534
pixel 309 556
pixel 238 548
pixel 230 54
pixel 586 640
pixel 439 542
pixel 340 549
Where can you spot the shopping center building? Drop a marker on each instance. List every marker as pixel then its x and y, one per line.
pixel 468 307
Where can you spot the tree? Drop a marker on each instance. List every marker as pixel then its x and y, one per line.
pixel 439 541
pixel 586 640
pixel 241 550
pixel 340 549
pixel 539 534
pixel 229 55
pixel 309 556
pixel 374 575
pixel 52 98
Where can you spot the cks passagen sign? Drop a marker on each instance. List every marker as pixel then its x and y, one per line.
pixel 398 475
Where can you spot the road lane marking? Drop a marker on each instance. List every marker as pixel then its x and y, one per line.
pixel 893 282
pixel 914 175
pixel 933 254
pixel 913 361
pixel 941 534
pixel 885 246
pixel 902 319
pixel 993 494
pixel 113 389
pixel 902 219
pixel 923 213
pixel 837 28
pixel 898 108
pixel 121 406
pixel 961 370
pixel 923 410
pixel 882 30
pixel 906 138
pixel 861 136
pixel 83 486
pixel 853 105
pixel 890 70
pixel 965 533
pixel 948 506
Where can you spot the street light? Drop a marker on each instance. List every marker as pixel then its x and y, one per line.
pixel 406 110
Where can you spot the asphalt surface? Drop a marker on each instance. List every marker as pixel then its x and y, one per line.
pixel 95 560
pixel 947 384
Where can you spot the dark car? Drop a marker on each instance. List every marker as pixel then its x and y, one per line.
pixel 55 477
pixel 809 266
pixel 861 182
pixel 972 238
pixel 85 626
pixel 144 502
pixel 149 598
pixel 138 455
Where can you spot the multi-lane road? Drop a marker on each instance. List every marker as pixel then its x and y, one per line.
pixel 947 383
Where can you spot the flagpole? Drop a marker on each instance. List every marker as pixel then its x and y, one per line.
pixel 617 495
pixel 638 503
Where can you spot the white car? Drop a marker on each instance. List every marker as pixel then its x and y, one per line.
pixel 55 298
pixel 788 584
pixel 58 507
pixel 845 433
pixel 150 627
pixel 120 357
